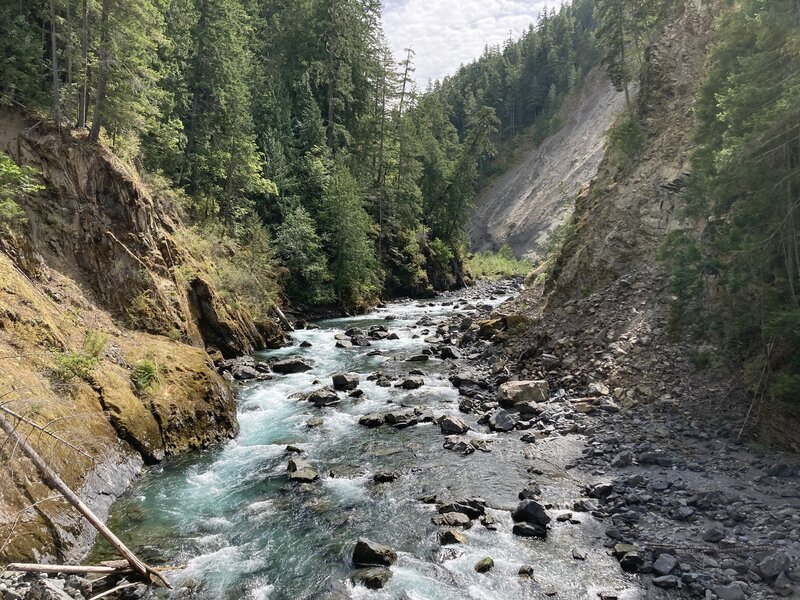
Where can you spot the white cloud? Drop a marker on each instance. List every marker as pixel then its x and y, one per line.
pixel 447 33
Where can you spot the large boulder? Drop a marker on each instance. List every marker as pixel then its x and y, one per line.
pixel 500 420
pixel 323 397
pixel 452 519
pixel 291 365
pixel 346 382
pixel 369 554
pixel 372 578
pixel 452 425
pixel 530 511
pixel 372 420
pixel 513 392
pixel 412 383
pixel 301 471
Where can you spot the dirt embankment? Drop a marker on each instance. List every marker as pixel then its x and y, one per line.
pixel 97 259
pixel 523 206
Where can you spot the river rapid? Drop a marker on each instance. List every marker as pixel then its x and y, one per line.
pixel 236 527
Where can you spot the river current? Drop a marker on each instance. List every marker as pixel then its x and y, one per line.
pixel 237 528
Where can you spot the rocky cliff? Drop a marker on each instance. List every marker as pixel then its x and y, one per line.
pixel 524 205
pixel 98 262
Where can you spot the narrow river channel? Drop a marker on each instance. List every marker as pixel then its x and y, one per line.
pixel 238 528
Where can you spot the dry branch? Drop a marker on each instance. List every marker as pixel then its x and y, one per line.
pixel 53 481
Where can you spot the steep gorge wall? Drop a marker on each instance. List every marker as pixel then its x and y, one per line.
pixel 623 215
pixel 524 205
pixel 97 250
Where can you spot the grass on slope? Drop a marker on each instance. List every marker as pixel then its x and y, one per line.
pixel 491 265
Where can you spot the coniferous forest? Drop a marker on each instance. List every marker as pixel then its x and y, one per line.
pixel 275 117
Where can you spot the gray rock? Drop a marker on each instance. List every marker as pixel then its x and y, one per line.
pixel 244 372
pixel 666 582
pixel 529 530
pixel 384 477
pixel 484 565
pixel 525 571
pixel 523 391
pixel 450 352
pixel 451 536
pixel 418 358
pixel 372 578
pixel 623 459
pixel 665 564
pixel 729 592
pixel 345 382
pixel 412 383
pixel 368 553
pixel 452 519
pixel 774 564
pixel 714 534
pixel 372 420
pixel 500 420
pixel 453 425
pixel 47 589
pixel 323 397
pixel 530 511
pixel 472 511
pixel 301 471
pixel 631 562
pixel 291 365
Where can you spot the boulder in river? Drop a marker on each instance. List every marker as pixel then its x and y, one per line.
pixel 372 578
pixel 484 565
pixel 418 358
pixel 323 397
pixel 384 477
pixel 452 519
pixel 500 420
pixel 450 352
pixel 291 365
pixel 472 508
pixel 301 471
pixel 370 554
pixel 372 420
pixel 512 392
pixel 451 536
pixel 450 425
pixel 412 383
pixel 530 511
pixel 244 372
pixel 346 382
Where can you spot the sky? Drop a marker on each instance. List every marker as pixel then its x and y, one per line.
pixel 447 33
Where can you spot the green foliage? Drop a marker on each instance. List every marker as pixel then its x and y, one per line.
pixel 496 265
pixel 745 181
pixel 80 364
pixel 144 375
pixel 301 251
pixel 626 140
pixel 15 182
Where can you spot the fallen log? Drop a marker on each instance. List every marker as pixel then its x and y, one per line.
pixel 55 482
pixel 70 569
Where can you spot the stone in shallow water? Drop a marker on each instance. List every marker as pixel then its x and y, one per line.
pixel 484 565
pixel 291 365
pixel 665 564
pixel 451 536
pixel 345 382
pixel 452 519
pixel 453 425
pixel 368 553
pixel 500 420
pixel 372 578
pixel 371 420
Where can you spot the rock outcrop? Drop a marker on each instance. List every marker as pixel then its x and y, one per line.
pixel 99 259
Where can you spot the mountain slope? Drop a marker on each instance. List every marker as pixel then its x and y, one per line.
pixel 523 206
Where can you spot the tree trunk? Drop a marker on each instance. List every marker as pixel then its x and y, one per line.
pixel 332 48
pixel 100 100
pixel 83 96
pixel 54 61
pixel 54 482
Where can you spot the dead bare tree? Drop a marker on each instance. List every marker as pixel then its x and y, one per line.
pixel 54 482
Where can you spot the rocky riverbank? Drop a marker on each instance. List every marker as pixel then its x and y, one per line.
pixel 611 421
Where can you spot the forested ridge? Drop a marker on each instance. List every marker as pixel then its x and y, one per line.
pixel 284 117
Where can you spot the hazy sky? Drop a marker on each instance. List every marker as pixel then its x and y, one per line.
pixel 446 33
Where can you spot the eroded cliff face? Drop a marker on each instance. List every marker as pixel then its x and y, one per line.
pixel 98 257
pixel 523 206
pixel 624 214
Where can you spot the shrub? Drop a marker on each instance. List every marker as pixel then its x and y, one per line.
pixel 15 181
pixel 496 265
pixel 626 140
pixel 80 364
pixel 144 375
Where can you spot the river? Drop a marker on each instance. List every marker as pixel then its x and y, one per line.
pixel 237 528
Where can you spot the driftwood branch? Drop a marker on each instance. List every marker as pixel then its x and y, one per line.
pixel 69 569
pixel 55 482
